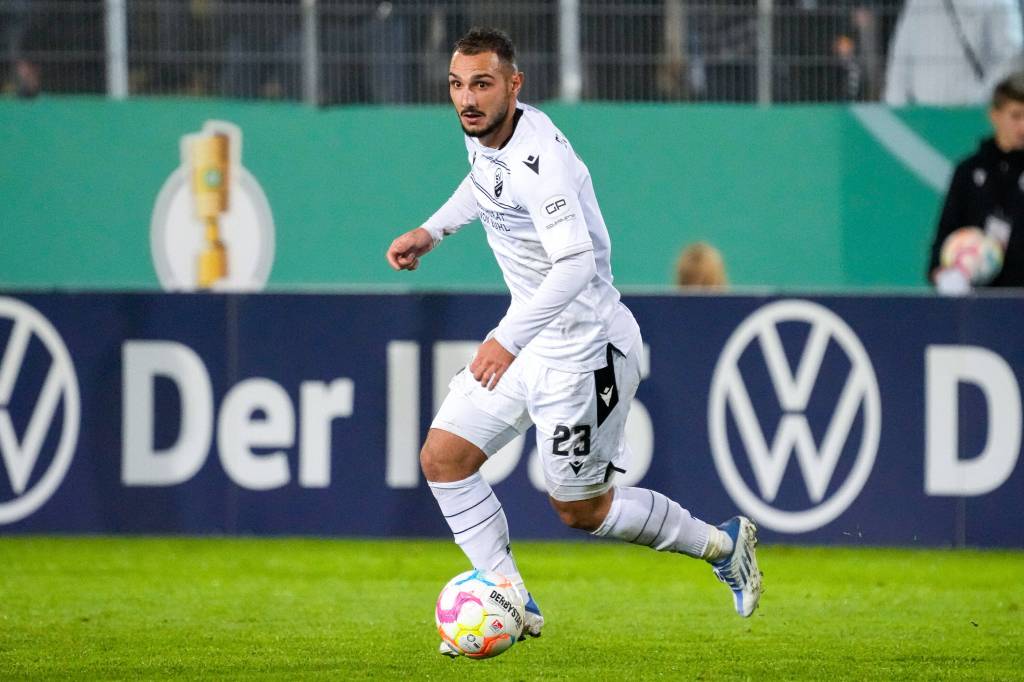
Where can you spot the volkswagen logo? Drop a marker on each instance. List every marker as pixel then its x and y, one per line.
pixel 22 444
pixel 792 388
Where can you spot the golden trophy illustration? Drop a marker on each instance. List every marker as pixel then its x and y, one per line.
pixel 212 227
pixel 211 162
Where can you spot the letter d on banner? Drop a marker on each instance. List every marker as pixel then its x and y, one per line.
pixel 946 368
pixel 143 362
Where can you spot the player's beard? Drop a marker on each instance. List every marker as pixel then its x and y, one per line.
pixel 490 128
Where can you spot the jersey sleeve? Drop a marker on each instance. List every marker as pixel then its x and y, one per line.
pixel 563 283
pixel 551 197
pixel 461 208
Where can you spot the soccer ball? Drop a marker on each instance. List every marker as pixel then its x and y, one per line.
pixel 479 614
pixel 978 256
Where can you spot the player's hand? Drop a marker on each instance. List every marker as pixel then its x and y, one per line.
pixel 404 253
pixel 490 364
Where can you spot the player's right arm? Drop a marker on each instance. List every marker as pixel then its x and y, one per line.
pixel 461 208
pixel 405 251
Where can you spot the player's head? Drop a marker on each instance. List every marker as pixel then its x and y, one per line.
pixel 1007 112
pixel 483 80
pixel 700 265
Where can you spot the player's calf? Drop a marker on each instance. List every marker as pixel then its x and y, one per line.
pixel 646 517
pixel 583 514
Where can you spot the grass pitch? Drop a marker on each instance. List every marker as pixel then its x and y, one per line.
pixel 116 608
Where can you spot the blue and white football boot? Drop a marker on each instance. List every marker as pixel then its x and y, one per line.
pixel 739 570
pixel 532 620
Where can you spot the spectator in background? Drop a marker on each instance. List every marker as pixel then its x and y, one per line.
pixel 943 52
pixel 818 52
pixel 722 52
pixel 987 191
pixel 366 50
pixel 262 51
pixel 22 76
pixel 701 265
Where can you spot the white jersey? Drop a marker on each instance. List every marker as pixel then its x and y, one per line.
pixel 537 203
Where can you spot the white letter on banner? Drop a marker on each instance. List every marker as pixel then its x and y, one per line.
pixel 142 362
pixel 320 405
pixel 402 469
pixel 946 368
pixel 238 432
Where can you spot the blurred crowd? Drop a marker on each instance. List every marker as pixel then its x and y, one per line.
pixel 902 51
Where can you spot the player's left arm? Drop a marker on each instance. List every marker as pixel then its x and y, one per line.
pixel 553 203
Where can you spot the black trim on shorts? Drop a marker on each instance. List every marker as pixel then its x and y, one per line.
pixel 609 469
pixel 604 385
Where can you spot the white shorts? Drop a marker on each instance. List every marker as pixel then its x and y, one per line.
pixel 580 418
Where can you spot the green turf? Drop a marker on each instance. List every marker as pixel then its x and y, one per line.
pixel 102 608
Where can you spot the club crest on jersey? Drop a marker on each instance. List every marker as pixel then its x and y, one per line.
pixel 499 183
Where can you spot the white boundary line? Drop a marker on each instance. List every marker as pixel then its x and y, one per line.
pixel 903 143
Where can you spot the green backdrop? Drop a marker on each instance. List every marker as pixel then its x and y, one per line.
pixel 793 196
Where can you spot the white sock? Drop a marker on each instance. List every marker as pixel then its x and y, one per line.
pixel 646 517
pixel 479 526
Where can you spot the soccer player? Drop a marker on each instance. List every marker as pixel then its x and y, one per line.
pixel 566 355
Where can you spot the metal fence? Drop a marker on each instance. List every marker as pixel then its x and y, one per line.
pixel 330 52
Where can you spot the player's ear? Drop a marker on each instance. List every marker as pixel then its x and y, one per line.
pixel 517 82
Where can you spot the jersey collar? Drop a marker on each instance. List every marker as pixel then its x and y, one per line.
pixel 491 152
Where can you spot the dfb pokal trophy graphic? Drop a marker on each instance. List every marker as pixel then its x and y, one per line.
pixel 212 228
pixel 210 186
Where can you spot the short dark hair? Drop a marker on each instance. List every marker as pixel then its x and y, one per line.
pixel 1009 89
pixel 480 39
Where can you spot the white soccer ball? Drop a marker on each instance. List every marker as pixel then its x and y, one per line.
pixel 479 614
pixel 978 256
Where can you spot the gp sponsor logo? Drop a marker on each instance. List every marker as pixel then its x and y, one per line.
pixel 793 389
pixel 555 204
pixel 21 454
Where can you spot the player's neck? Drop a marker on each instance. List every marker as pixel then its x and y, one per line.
pixel 500 137
pixel 1006 145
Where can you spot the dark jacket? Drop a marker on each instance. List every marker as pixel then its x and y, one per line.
pixel 988 182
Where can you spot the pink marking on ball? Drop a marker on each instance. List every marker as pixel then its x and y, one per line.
pixel 452 614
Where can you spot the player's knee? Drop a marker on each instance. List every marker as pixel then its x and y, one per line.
pixel 445 457
pixel 430 461
pixel 435 464
pixel 585 515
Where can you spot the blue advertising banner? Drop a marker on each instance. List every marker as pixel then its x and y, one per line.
pixel 829 419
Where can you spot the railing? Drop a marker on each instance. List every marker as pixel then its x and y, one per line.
pixel 328 52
